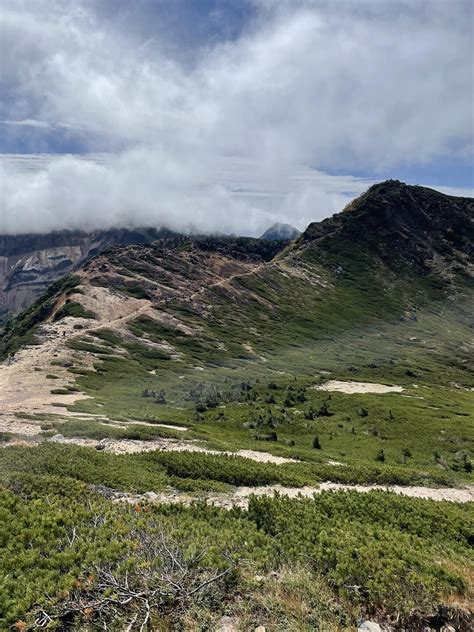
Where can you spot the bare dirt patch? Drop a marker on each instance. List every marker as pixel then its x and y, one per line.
pixel 261 457
pixel 18 426
pixel 240 496
pixel 351 388
pixel 147 423
pixel 25 387
pixel 131 446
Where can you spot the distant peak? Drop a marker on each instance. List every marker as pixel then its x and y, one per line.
pixel 281 231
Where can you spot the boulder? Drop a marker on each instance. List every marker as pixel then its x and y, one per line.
pixel 369 626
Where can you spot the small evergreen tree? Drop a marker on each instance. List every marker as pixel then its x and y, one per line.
pixel 324 410
pixel 310 413
pixel 301 395
pixel 316 444
pixel 160 397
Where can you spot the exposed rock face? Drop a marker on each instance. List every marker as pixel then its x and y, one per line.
pixel 286 232
pixel 30 263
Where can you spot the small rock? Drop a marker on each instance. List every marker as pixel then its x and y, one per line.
pixel 227 624
pixel 150 495
pixel 448 628
pixel 260 628
pixel 57 437
pixel 369 626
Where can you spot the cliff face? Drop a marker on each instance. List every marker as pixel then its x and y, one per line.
pixel 24 276
pixel 30 263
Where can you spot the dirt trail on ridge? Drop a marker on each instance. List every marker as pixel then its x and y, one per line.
pixel 24 385
pixel 227 280
pixel 25 388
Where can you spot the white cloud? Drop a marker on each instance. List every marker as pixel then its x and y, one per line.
pixel 104 190
pixel 100 191
pixel 28 123
pixel 228 143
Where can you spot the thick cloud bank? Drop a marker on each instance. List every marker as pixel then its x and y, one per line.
pixel 241 133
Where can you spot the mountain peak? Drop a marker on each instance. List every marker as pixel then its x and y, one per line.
pixel 402 224
pixel 281 231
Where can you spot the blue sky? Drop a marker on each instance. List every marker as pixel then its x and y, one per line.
pixel 227 114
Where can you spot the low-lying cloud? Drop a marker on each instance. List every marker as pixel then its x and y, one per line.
pixel 143 187
pixel 245 134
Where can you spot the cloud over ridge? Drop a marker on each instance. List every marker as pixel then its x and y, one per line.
pixel 245 133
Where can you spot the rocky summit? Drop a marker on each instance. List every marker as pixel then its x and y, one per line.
pixel 402 225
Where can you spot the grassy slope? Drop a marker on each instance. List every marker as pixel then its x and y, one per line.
pixel 370 325
pixel 248 373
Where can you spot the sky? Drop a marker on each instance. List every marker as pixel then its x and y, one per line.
pixel 227 115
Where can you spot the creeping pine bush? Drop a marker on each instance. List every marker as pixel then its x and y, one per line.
pixel 60 542
pixel 81 464
pixel 376 548
pixel 233 470
pixel 377 551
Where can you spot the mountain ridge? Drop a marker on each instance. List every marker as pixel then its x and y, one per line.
pixel 319 259
pixel 389 221
pixel 30 263
pixel 215 369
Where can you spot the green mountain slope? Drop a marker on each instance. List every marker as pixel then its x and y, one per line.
pixel 346 356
